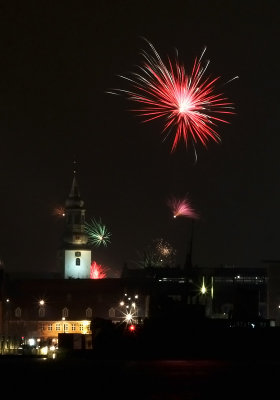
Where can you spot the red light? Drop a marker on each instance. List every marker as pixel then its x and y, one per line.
pixel 132 328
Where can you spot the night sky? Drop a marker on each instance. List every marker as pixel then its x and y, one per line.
pixel 59 58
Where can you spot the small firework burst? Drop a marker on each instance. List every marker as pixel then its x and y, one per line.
pixel 97 232
pixel 164 249
pixel 59 212
pixel 97 271
pixel 182 207
pixel 159 253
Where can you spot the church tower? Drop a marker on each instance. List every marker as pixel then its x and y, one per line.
pixel 76 252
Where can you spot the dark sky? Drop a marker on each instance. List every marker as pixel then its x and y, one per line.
pixel 59 58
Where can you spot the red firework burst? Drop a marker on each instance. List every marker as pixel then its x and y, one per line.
pixel 97 271
pixel 188 103
pixel 182 207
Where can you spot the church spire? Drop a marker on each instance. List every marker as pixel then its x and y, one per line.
pixel 74 192
pixel 74 198
pixel 77 253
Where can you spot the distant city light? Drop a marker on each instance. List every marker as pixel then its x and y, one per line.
pixel 31 342
pixel 128 317
pixel 132 328
pixel 203 289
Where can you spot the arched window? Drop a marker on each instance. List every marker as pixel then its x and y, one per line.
pixel 89 312
pixel 78 261
pixel 42 312
pixel 18 312
pixel 65 312
pixel 112 312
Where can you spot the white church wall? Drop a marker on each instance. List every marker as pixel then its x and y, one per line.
pixel 77 264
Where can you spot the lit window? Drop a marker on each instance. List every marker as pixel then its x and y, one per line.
pixel 57 327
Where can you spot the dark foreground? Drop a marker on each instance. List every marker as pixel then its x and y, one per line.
pixel 139 379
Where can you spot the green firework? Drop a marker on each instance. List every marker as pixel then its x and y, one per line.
pixel 98 233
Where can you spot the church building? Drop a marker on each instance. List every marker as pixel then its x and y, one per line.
pixel 38 310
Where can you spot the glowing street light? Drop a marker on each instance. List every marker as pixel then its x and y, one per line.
pixel 128 318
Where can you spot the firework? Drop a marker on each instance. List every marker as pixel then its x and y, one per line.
pixel 59 212
pixel 188 103
pixel 158 254
pixel 97 271
pixel 97 233
pixel 164 249
pixel 181 207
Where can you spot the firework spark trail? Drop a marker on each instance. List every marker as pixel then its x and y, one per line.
pixel 97 232
pixel 182 207
pixel 188 103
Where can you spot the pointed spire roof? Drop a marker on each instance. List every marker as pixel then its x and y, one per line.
pixel 74 199
pixel 74 192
